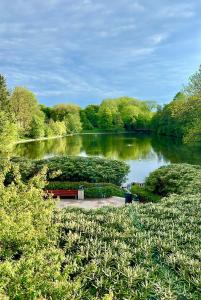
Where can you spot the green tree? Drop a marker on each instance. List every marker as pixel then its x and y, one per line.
pixel 86 124
pixel 61 111
pixel 4 95
pixel 24 106
pixel 56 128
pixel 179 97
pixel 130 114
pixel 91 112
pixel 105 117
pixel 194 85
pixel 37 125
pixel 8 132
pixel 73 123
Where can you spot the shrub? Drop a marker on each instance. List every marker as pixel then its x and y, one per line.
pixel 175 178
pixel 30 262
pixel 91 190
pixel 146 251
pixel 77 169
pixel 144 195
pixel 139 251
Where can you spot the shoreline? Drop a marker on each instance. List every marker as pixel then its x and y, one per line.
pixel 74 134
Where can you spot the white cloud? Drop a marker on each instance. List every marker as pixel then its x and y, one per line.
pixel 117 30
pixel 158 38
pixel 136 6
pixel 184 10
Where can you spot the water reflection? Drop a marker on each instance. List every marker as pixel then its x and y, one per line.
pixel 143 153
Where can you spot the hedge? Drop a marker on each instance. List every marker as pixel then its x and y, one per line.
pixel 144 195
pixel 91 190
pixel 76 169
pixel 175 178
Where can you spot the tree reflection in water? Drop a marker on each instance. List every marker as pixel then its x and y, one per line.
pixel 142 152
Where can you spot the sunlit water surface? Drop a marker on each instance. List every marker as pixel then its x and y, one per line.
pixel 144 153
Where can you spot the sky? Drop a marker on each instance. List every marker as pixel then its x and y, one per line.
pixel 84 51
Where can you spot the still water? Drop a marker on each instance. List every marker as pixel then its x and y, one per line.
pixel 144 153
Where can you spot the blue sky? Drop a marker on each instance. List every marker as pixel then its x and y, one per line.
pixel 84 51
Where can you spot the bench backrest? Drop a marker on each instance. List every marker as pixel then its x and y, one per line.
pixel 63 192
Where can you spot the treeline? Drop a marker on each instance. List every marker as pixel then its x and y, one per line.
pixel 22 117
pixel 182 116
pixel 113 114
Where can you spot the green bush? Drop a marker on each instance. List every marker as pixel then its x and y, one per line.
pixel 144 195
pixel 146 251
pixel 175 178
pixel 68 168
pixel 91 190
pixel 135 252
pixel 30 261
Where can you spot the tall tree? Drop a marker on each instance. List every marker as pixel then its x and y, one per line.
pixel 61 111
pixel 24 105
pixel 4 95
pixel 194 85
pixel 91 112
pixel 8 132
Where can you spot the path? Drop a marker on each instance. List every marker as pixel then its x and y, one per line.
pixel 91 203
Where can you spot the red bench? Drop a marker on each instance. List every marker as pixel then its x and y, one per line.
pixel 63 193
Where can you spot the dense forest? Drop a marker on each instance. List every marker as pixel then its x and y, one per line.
pixel 22 117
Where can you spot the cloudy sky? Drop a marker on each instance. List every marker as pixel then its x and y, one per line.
pixel 84 51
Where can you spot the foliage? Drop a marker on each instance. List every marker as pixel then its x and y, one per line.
pixel 169 120
pixel 73 123
pixel 125 112
pixel 24 105
pixel 91 112
pixel 144 195
pixel 30 262
pixel 56 128
pixel 91 190
pixel 86 124
pixel 4 95
pixel 8 132
pixel 77 169
pixel 175 178
pixel 194 86
pixel 68 113
pixel 139 251
pixel 37 125
pixel 182 116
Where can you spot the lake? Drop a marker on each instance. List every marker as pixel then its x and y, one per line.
pixel 143 152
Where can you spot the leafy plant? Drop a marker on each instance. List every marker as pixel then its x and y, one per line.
pixel 91 190
pixel 144 195
pixel 77 169
pixel 175 178
pixel 149 251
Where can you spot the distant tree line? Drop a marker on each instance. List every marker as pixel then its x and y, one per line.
pixel 21 116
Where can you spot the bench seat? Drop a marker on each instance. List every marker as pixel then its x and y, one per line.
pixel 63 193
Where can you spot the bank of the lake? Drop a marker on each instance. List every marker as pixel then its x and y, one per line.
pixel 95 131
pixel 143 152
